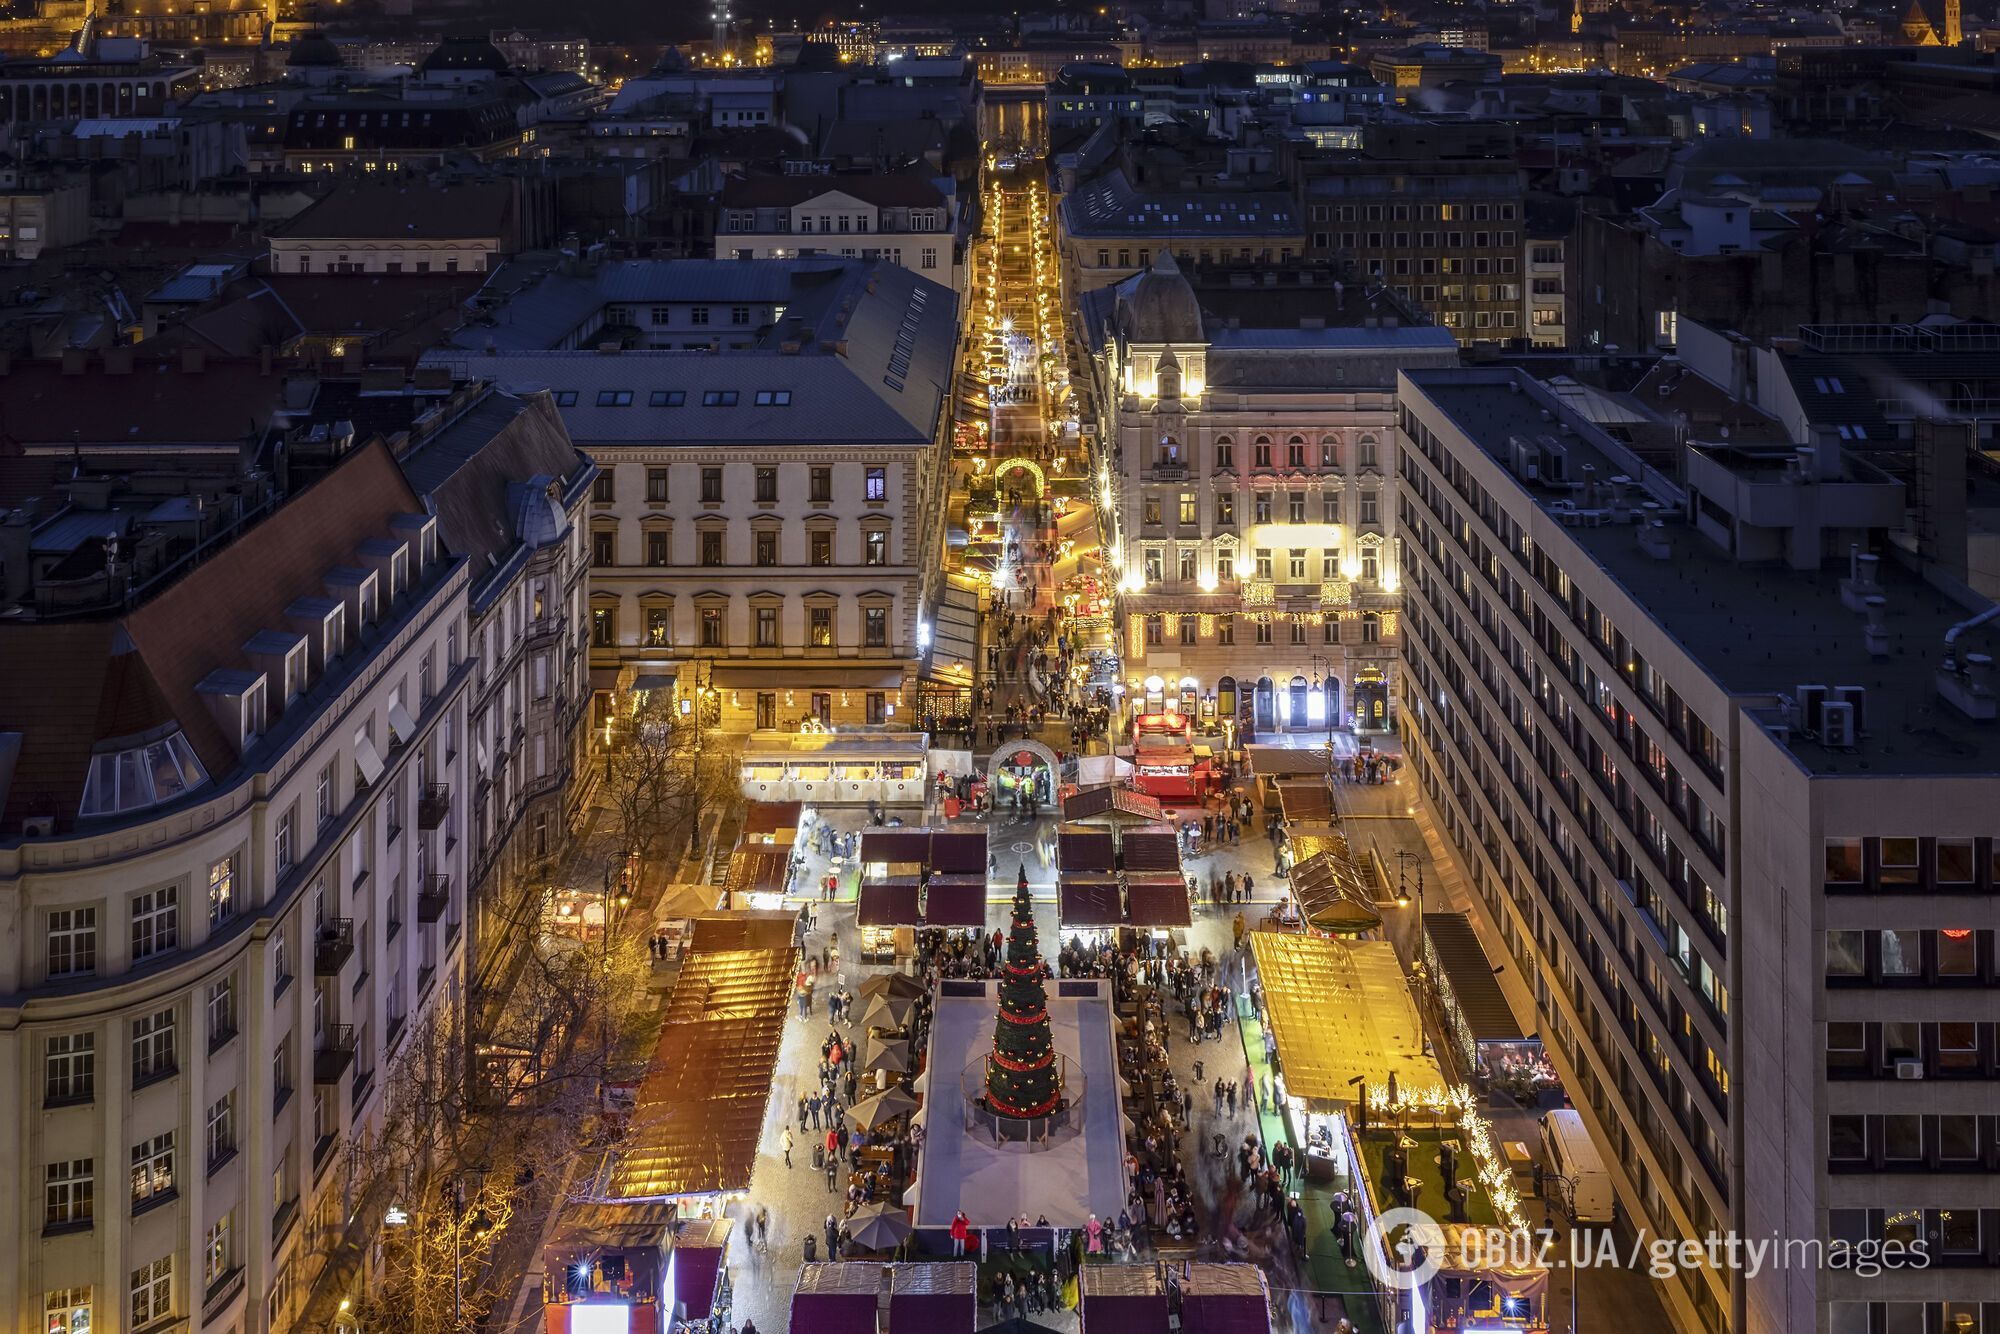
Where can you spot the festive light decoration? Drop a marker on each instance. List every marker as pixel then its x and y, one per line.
pixel 1022 1078
pixel 1336 593
pixel 1207 626
pixel 1259 593
pixel 1459 1103
pixel 1171 622
pixel 1388 621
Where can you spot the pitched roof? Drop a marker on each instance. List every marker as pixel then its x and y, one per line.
pixel 393 211
pixel 893 190
pixel 488 477
pixel 74 684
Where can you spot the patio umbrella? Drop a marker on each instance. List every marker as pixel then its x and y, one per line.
pixel 878 1227
pixel 887 1011
pixel 891 984
pixel 870 1113
pixel 892 1055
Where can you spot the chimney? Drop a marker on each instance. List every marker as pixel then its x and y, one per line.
pixel 1874 635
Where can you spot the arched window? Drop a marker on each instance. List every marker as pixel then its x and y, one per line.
pixel 1261 457
pixel 1225 452
pixel 1365 452
pixel 1295 452
pixel 1329 452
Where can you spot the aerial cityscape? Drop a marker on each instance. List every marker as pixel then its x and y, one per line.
pixel 1167 667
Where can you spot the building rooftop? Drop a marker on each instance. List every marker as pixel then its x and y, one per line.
pixel 862 356
pixel 1755 629
pixel 1112 206
pixel 386 212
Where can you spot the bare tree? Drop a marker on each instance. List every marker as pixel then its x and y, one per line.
pixel 669 766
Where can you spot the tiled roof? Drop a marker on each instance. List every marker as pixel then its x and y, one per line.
pixel 71 685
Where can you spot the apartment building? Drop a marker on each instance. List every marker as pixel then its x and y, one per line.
pixel 1445 233
pixel 231 836
pixel 1247 419
pixel 768 522
pixel 1722 782
pixel 1109 229
pixel 907 218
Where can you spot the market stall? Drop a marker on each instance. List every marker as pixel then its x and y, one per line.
pixel 837 1298
pixel 1151 848
pixel 699 1111
pixel 605 1268
pixel 956 902
pixel 1079 848
pixel 937 1298
pixel 1089 906
pixel 759 876
pixel 1156 902
pixel 888 915
pixel 836 768
pixel 1485 1036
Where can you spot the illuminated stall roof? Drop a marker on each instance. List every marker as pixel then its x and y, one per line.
pixel 1341 1010
pixel 700 1108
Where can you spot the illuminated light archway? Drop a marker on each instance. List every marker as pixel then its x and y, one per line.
pixel 1034 469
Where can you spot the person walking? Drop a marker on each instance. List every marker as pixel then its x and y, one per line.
pixel 1238 927
pixel 785 1144
pixel 961 1229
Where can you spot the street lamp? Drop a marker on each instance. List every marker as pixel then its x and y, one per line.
pixel 1403 857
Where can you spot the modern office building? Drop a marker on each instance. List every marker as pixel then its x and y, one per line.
pixel 234 770
pixel 1722 779
pixel 1247 419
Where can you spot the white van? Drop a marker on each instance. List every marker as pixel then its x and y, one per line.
pixel 1568 1152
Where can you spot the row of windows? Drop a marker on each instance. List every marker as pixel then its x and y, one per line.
pixel 69 1060
pixel 1297 564
pixel 1263 509
pixel 1912 863
pixel 1188 257
pixel 1912 1143
pixel 155 923
pixel 1263 452
pixel 710 550
pixel 712 627
pixel 1503 212
pixel 1265 632
pixel 819 480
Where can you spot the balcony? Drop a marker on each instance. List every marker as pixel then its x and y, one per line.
pixel 333 1053
pixel 433 805
pixel 433 898
pixel 1167 472
pixel 333 946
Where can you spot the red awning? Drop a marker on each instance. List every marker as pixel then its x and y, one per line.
pixel 1151 852
pixel 768 817
pixel 1157 901
pixel 959 851
pixel 956 900
pixel 1084 850
pixel 1089 903
pixel 892 903
pixel 895 845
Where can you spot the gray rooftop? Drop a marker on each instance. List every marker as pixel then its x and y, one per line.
pixel 875 371
pixel 1112 206
pixel 1754 629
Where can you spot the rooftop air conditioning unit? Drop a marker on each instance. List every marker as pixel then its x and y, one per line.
pixel 38 826
pixel 1836 725
pixel 1909 1069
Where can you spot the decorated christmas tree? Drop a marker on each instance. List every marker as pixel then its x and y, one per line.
pixel 1021 1074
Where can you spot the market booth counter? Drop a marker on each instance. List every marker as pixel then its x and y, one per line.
pixel 837 768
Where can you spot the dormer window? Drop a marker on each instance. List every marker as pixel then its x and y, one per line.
pixel 138 772
pixel 367 600
pixel 295 673
pixel 254 716
pixel 399 573
pixel 335 642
